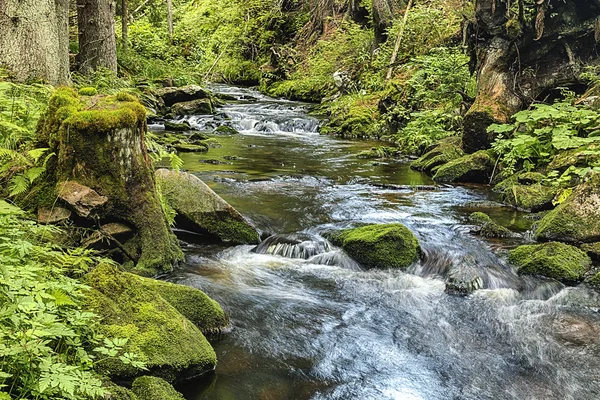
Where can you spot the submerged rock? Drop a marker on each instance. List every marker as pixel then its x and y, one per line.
pixel 201 210
pixel 462 280
pixel 293 246
pixel 555 260
pixel 177 126
pixel 487 227
pixel 379 246
pixel 475 168
pixel 225 130
pixel 577 219
pixel 133 307
pixel 153 388
pixel 443 152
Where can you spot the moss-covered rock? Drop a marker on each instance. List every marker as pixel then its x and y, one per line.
pixel 379 246
pixel 190 148
pixel 445 151
pixel 225 130
pixel 116 392
pixel 487 227
pixel 177 126
pixel 153 388
pixel 560 261
pixel 577 219
pixel 201 210
pixel 530 178
pixel 194 107
pixel 131 307
pixel 580 157
pixel 88 91
pixel 592 250
pixel 531 198
pixel 476 168
pixel 100 144
pixel 173 95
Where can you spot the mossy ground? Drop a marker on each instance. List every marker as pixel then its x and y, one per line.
pixel 131 307
pixel 380 246
pixel 554 260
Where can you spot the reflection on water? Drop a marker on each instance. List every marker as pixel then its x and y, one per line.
pixel 308 323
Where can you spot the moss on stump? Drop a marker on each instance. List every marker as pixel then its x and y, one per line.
pixel 380 246
pixel 153 388
pixel 130 307
pixel 100 144
pixel 201 210
pixel 577 219
pixel 476 168
pixel 554 260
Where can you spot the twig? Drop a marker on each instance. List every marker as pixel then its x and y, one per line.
pixel 398 41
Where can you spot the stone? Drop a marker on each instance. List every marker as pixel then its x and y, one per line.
pixel 225 130
pixel 487 227
pixel 53 215
pixel 463 280
pixel 81 198
pixel 194 107
pixel 445 151
pixel 173 95
pixel 190 148
pixel 199 209
pixel 380 245
pixel 555 260
pixel 473 168
pixel 577 219
pixel 114 230
pixel 177 126
pixel 153 388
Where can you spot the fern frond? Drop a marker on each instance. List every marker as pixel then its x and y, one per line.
pixel 18 185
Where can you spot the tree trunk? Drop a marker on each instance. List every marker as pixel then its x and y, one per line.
pixel 170 18
pixel 124 24
pixel 34 39
pixel 383 17
pixel 97 42
pixel 524 55
pixel 357 12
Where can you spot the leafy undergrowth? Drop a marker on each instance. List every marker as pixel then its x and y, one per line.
pixel 48 342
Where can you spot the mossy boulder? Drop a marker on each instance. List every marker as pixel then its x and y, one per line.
pixel 475 168
pixel 530 198
pixel 579 157
pixel 190 148
pixel 530 178
pixel 555 260
pixel 445 151
pixel 194 107
pixel 99 142
pixel 592 250
pixel 177 126
pixel 116 392
pixel 225 130
pixel 487 227
pixel 577 219
pixel 379 246
pixel 132 307
pixel 153 388
pixel 201 210
pixel 173 95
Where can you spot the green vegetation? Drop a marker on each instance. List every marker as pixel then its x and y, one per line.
pixel 153 388
pixel 380 246
pixel 555 260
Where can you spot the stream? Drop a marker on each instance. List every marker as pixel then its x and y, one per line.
pixel 309 323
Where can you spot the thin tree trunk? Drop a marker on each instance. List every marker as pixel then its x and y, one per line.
pixel 34 41
pixel 124 24
pixel 97 42
pixel 398 41
pixel 170 18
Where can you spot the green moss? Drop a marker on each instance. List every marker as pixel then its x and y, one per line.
pixel 170 344
pixel 117 392
pixel 191 148
pixel 127 97
pixel 104 120
pixel 380 246
pixel 592 250
pixel 88 91
pixel 177 126
pixel 445 151
pixel 212 143
pixel 580 157
pixel 63 103
pixel 529 178
pixel 192 303
pixel 225 130
pixel 577 219
pixel 532 198
pixel 476 167
pixel 153 388
pixel 488 227
pixel 554 260
pixel 595 280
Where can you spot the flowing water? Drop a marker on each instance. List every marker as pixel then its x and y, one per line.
pixel 307 322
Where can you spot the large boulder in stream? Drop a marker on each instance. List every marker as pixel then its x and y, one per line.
pixel 153 388
pixel 555 260
pixel 475 168
pixel 577 219
pixel 441 153
pixel 155 318
pixel 201 210
pixel 174 95
pixel 379 246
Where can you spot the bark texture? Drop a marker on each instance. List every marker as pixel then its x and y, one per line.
pixel 524 50
pixel 34 39
pixel 384 12
pixel 97 42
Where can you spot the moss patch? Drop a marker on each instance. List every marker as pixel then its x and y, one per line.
pixel 532 198
pixel 488 227
pixel 445 151
pixel 171 345
pixel 153 388
pixel 554 260
pixel 225 130
pixel 577 219
pixel 476 167
pixel 380 246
